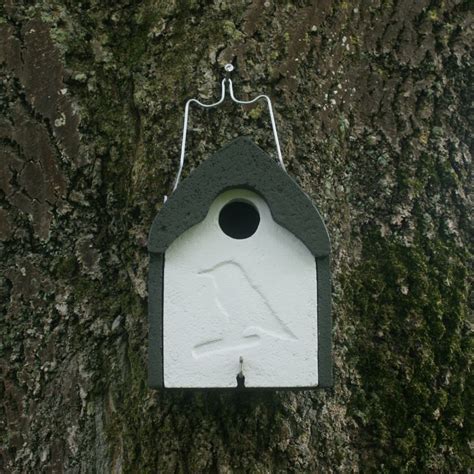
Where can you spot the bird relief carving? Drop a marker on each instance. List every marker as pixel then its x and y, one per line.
pixel 247 316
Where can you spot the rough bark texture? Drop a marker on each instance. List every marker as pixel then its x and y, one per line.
pixel 373 107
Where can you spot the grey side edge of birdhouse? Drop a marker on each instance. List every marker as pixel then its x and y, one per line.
pixel 240 164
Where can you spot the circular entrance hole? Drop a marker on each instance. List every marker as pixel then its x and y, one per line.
pixel 239 219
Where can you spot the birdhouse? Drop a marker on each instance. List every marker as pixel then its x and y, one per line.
pixel 239 286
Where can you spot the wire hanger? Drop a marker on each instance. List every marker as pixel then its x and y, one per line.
pixel 229 68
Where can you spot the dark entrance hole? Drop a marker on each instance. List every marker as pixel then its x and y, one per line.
pixel 239 219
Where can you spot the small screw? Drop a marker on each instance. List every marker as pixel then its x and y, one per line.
pixel 240 375
pixel 229 67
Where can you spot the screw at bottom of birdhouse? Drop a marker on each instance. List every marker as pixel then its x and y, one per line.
pixel 240 375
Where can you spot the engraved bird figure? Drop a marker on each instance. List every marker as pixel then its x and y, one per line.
pixel 247 314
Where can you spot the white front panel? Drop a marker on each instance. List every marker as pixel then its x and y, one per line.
pixel 227 298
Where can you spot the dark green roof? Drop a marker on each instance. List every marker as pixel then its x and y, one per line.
pixel 241 164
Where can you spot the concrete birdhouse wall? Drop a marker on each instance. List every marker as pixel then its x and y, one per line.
pixel 239 280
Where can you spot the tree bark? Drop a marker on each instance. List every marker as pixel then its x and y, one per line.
pixel 373 109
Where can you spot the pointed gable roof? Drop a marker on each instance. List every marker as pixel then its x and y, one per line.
pixel 241 164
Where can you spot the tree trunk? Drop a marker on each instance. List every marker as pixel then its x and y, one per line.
pixel 373 109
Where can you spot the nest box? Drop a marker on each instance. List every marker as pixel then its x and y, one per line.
pixel 239 285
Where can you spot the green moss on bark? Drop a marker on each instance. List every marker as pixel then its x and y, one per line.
pixel 411 349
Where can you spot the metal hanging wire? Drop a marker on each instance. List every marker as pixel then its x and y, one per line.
pixel 229 68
